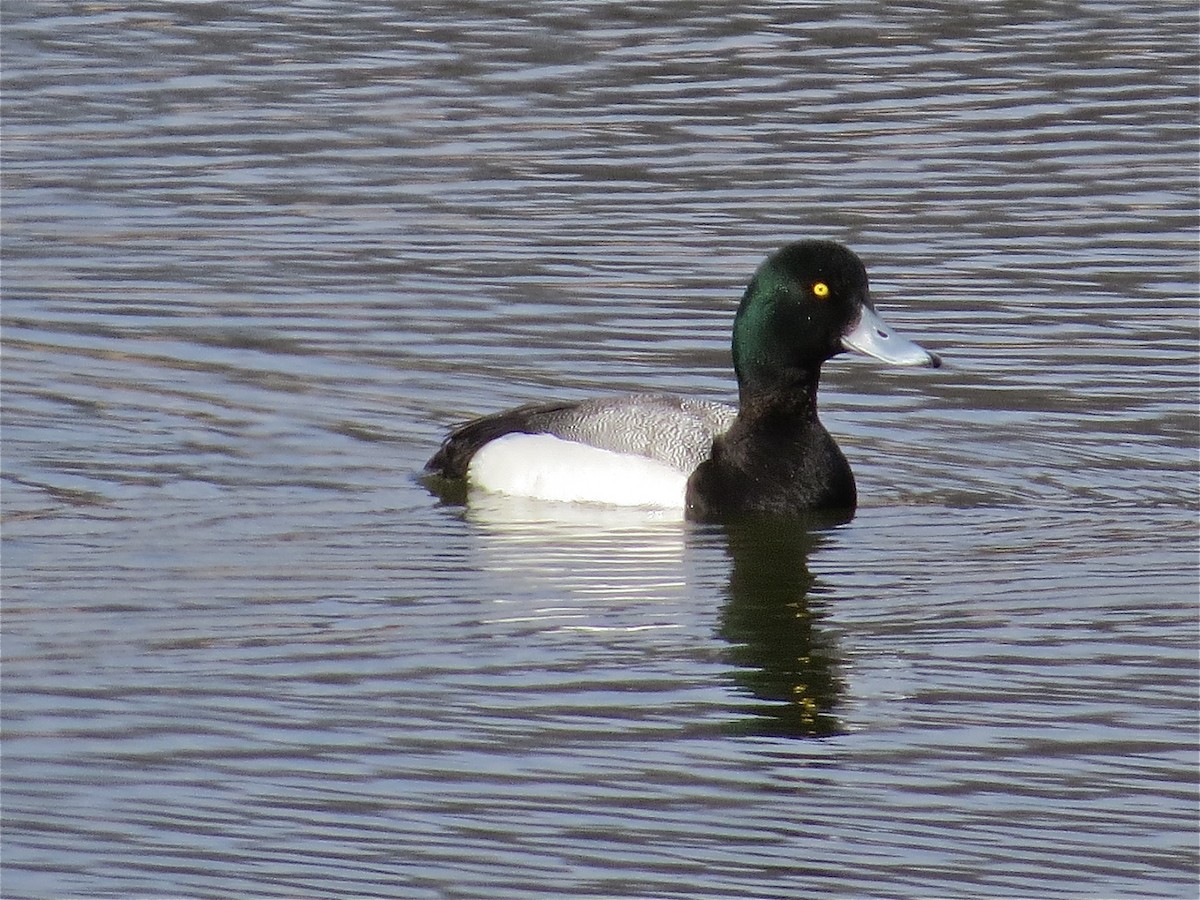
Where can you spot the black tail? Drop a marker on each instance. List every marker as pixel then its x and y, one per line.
pixel 456 452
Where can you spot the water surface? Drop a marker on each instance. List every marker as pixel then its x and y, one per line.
pixel 258 257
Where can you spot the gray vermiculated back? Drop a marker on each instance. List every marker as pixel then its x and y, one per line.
pixel 672 430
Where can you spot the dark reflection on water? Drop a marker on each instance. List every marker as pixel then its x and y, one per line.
pixel 783 650
pixel 787 653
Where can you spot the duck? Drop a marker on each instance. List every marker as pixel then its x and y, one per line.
pixel 769 456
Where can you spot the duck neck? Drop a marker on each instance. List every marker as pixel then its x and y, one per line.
pixel 781 403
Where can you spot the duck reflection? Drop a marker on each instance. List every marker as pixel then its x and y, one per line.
pixel 773 621
pixel 564 566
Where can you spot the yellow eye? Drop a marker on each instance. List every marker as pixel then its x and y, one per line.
pixel 820 290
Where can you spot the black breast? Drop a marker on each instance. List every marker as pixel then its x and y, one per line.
pixel 760 472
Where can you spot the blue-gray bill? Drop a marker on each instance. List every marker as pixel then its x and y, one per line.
pixel 874 337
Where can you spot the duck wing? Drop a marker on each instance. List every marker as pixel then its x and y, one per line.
pixel 676 431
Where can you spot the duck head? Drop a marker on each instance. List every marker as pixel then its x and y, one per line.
pixel 806 303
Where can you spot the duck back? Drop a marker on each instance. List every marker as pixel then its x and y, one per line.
pixel 674 431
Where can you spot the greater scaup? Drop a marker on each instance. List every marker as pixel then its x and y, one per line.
pixel 770 456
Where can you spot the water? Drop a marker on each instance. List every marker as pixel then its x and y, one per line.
pixel 258 257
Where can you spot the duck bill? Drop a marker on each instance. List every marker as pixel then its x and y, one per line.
pixel 874 337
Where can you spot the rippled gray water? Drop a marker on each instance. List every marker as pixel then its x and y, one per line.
pixel 258 257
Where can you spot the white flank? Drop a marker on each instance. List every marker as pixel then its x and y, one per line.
pixel 545 467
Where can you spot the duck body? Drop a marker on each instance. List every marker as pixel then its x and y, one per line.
pixel 769 456
pixel 674 431
pixel 632 450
